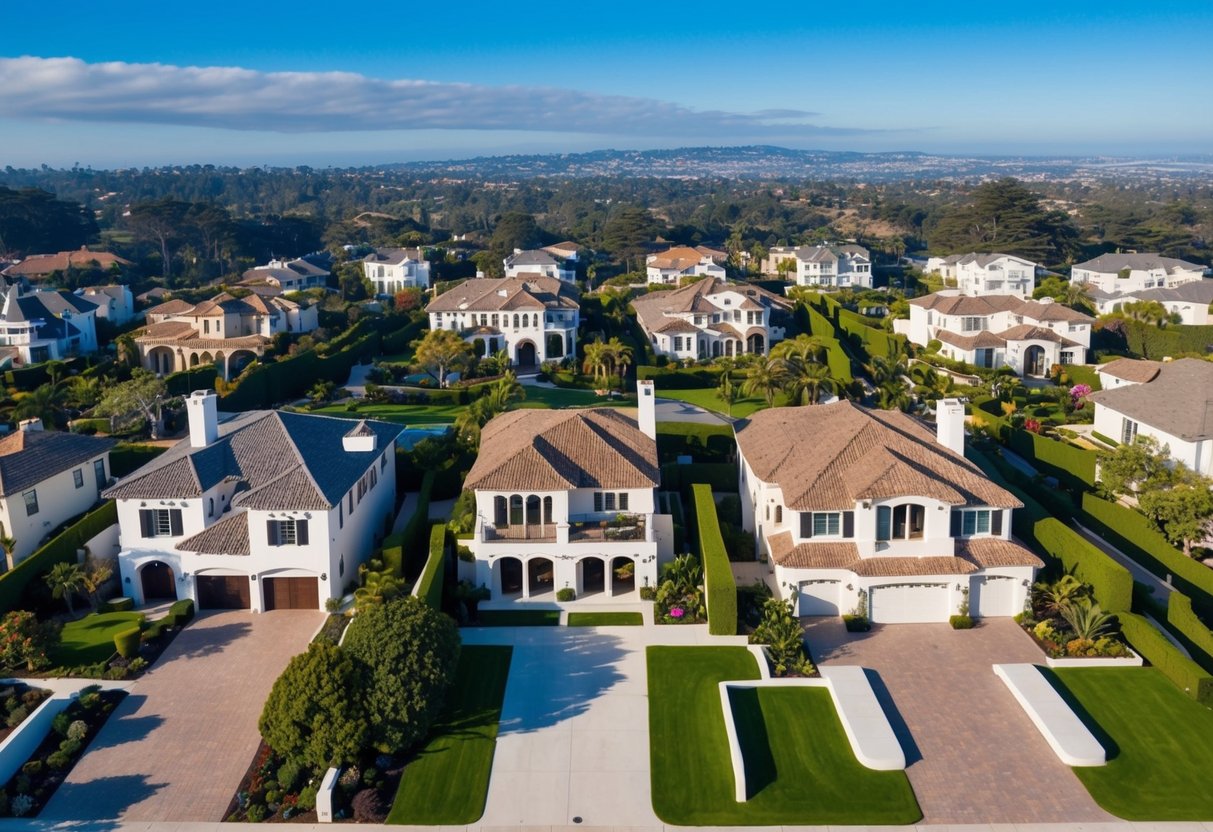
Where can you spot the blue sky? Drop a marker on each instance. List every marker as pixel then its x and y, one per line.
pixel 291 83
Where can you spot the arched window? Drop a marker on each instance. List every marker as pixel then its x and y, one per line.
pixel 501 516
pixel 515 320
pixel 526 320
pixel 778 514
pixel 516 510
pixel 533 515
pixel 547 509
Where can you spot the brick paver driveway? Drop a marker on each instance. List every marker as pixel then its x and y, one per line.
pixel 177 746
pixel 974 756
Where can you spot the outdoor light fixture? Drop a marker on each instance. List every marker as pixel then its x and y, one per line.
pixel 324 576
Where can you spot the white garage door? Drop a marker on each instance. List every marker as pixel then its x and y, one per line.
pixel 819 597
pixel 909 603
pixel 995 595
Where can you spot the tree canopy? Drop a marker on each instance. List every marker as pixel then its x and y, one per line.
pixel 1004 216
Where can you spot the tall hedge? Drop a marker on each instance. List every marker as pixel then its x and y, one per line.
pixel 429 585
pixel 1149 341
pixel 126 458
pixel 195 378
pixel 1072 466
pixel 1112 583
pixel 702 441
pixel 719 585
pixel 721 476
pixel 1193 632
pixel 414 538
pixel 60 549
pixel 1132 533
pixel 1155 648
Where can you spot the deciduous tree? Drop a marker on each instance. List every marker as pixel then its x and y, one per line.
pixel 441 352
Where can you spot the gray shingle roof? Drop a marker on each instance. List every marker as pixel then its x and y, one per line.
pixel 1109 263
pixel 531 257
pixel 29 457
pixel 1178 400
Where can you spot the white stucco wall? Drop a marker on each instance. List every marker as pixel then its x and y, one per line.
pixel 59 500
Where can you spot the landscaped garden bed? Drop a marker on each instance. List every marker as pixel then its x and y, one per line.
pixel 679 595
pixel 71 731
pixel 17 702
pixel 1067 624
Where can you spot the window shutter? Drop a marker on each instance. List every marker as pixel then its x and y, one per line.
pixel 996 522
pixel 271 532
pixel 301 532
pixel 597 501
pixel 806 524
pixel 145 523
pixel 956 515
pixel 884 521
pixel 848 524
pixel 174 521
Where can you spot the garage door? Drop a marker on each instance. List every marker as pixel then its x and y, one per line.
pixel 292 594
pixel 819 597
pixel 223 592
pixel 909 603
pixel 995 595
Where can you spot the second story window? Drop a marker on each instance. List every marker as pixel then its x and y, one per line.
pixel 286 532
pixel 976 522
pixel 31 501
pixel 78 478
pixel 824 523
pixel 160 522
pixel 904 522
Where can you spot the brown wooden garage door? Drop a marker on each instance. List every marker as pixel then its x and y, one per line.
pixel 223 592
pixel 292 594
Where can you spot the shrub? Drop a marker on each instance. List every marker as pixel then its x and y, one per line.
pixel 26 642
pixel 648 593
pixel 307 798
pixel 719 585
pixel 961 622
pixel 126 642
pixel 118 605
pixel 1192 631
pixel 16 716
pixel 429 585
pixel 1111 582
pixel 71 747
pixel 61 723
pixel 137 664
pixel 32 768
pixel 1160 652
pixel 566 594
pixel 182 612
pixel 312 714
pixel 856 623
pixel 406 653
pixel 58 760
pixel 288 775
pixel 78 730
pixel 781 632
pixel 256 813
pixel 368 807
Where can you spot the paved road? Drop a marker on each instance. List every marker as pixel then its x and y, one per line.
pixel 178 745
pixel 974 756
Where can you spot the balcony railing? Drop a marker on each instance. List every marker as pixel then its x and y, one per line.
pixel 621 527
pixel 545 532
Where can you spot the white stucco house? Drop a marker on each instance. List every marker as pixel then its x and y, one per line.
pixel 848 503
pixel 539 261
pixel 115 303
pixel 1170 401
pixel 394 269
pixel 993 331
pixel 262 510
pixel 987 274
pixel 311 272
pixel 669 267
pixel 1135 272
pixel 824 267
pixel 710 318
pixel 46 479
pixel 532 317
pixel 1190 301
pixel 566 499
pixel 46 326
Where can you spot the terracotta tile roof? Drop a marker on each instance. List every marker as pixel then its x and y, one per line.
pixel 980 340
pixel 38 265
pixel 169 329
pixel 1132 369
pixel 830 456
pixel 830 555
pixel 1052 311
pixel 228 536
pixel 509 293
pixel 176 306
pixel 882 567
pixel 984 305
pixel 1178 401
pixel 676 325
pixel 555 450
pixel 29 457
pixel 989 552
pixel 679 258
pixel 971 556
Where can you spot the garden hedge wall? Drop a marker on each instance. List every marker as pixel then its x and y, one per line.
pixel 187 381
pixel 1073 467
pixel 127 458
pixel 721 476
pixel 414 537
pixel 1132 533
pixel 1190 629
pixel 1158 651
pixel 667 378
pixel 429 585
pixel 876 342
pixel 719 587
pixel 703 442
pixel 59 549
pixel 1151 342
pixel 1112 583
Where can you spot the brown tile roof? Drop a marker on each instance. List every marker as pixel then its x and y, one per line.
pixel 176 306
pixel 1052 311
pixel 555 450
pixel 989 552
pixel 1178 401
pixel 971 555
pixel 38 265
pixel 890 567
pixel 531 291
pixel 679 258
pixel 1132 369
pixel 169 329
pixel 830 456
pixel 653 308
pixel 982 305
pixel 228 536
pixel 1027 332
pixel 827 555
pixel 677 325
pixel 980 340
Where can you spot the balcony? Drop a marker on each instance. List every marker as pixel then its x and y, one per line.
pixel 621 527
pixel 512 534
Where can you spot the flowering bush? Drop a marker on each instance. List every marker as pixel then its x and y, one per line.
pixel 1032 425
pixel 25 641
pixel 677 612
pixel 1078 393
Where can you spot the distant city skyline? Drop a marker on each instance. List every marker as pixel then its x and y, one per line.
pixel 284 84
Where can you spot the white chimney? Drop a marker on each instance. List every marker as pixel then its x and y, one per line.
pixel 646 403
pixel 202 406
pixel 360 438
pixel 950 424
pixel 29 425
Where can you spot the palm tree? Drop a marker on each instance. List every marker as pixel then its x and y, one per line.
pixel 376 588
pixel 9 545
pixel 1086 619
pixel 895 395
pixel 84 392
pixel 596 360
pixel 806 381
pixel 1065 591
pixel 45 402
pixel 1077 295
pixel 65 580
pixel 621 357
pixel 803 347
pixel 883 370
pixel 96 573
pixel 765 379
pixel 727 391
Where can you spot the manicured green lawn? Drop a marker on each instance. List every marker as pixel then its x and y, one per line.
pixel 91 639
pixel 520 618
pixel 1159 742
pixel 448 780
pixel 558 397
pixel 800 767
pixel 605 619
pixel 404 414
pixel 709 400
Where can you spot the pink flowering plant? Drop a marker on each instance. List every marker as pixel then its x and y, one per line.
pixel 679 597
pixel 1078 395
pixel 26 642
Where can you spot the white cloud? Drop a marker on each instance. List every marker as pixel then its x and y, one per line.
pixel 70 89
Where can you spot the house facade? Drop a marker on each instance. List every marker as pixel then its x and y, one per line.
pixel 296 275
pixel 115 303
pixel 824 267
pixel 264 510
pixel 1135 272
pixel 987 274
pixel 395 269
pixel 39 267
pixel 46 479
pixel 1170 401
pixel 539 261
pixel 1190 300
pixel 566 499
pixel 671 266
pixel 225 331
pixel 532 317
pixel 1001 331
pixel 46 326
pixel 711 318
pixel 857 508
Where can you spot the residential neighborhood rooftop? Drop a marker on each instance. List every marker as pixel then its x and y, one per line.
pixel 29 456
pixel 1178 399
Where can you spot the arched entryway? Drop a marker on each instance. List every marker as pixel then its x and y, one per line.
pixel 541 576
pixel 756 344
pixel 593 576
pixel 510 576
pixel 527 354
pixel 238 361
pixel 158 582
pixel 1034 361
pixel 160 360
pixel 623 576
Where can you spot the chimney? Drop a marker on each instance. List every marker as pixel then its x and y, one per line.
pixel 29 425
pixel 950 425
pixel 360 438
pixel 646 402
pixel 203 409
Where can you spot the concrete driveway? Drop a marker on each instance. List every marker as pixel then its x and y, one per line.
pixel 178 745
pixel 974 756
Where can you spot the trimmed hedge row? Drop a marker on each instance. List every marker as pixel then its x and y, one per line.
pixel 60 549
pixel 125 459
pixel 414 537
pixel 704 442
pixel 1149 341
pixel 721 476
pixel 187 381
pixel 126 642
pixel 1111 582
pixel 719 586
pixel 1192 631
pixel 876 342
pixel 1155 648
pixel 1072 466
pixel 668 378
pixel 429 585
pixel 1132 533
